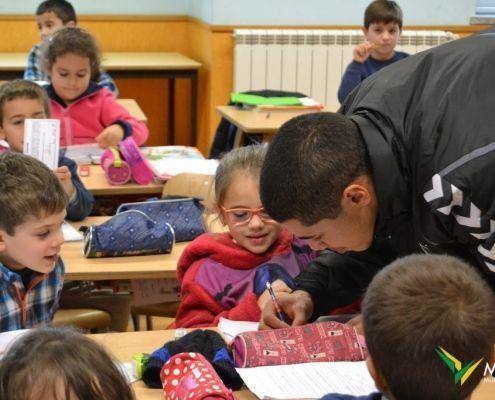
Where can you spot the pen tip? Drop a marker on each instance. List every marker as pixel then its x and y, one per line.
pixel 268 285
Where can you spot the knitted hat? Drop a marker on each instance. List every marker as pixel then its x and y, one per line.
pixel 206 342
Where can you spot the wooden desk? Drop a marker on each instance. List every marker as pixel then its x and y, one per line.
pixel 251 121
pixel 78 268
pixel 97 184
pixel 132 106
pixel 124 345
pixel 132 65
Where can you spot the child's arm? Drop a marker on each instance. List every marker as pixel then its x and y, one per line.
pixel 82 201
pixel 352 77
pixel 199 309
pixel 33 71
pixel 113 113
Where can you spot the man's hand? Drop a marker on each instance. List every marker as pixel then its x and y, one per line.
pixel 278 286
pixel 362 52
pixel 64 176
pixel 110 136
pixel 296 306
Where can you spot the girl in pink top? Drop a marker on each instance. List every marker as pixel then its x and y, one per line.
pixel 87 112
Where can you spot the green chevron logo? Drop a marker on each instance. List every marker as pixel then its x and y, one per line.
pixel 461 373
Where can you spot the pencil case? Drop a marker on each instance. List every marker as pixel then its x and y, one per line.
pixel 117 171
pixel 140 168
pixel 127 234
pixel 317 342
pixel 184 214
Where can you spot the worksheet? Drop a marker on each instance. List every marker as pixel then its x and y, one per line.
pixel 41 140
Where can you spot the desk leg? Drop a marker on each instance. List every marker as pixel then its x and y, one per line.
pixel 239 136
pixel 171 111
pixel 194 109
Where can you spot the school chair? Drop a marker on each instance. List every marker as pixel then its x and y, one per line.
pixel 187 185
pixel 87 319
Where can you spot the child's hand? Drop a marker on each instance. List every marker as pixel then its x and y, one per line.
pixel 64 176
pixel 110 136
pixel 362 52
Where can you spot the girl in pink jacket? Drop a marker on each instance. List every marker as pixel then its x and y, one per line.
pixel 87 112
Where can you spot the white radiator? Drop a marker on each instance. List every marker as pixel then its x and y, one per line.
pixel 308 61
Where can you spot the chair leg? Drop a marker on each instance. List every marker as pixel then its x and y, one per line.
pixel 135 322
pixel 149 323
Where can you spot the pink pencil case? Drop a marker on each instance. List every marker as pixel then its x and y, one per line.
pixel 140 168
pixel 320 341
pixel 117 171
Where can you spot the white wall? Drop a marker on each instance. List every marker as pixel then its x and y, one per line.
pixel 267 12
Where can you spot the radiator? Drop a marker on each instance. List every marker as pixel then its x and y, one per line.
pixel 308 61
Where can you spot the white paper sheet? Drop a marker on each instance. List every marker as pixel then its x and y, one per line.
pixel 230 329
pixel 308 381
pixel 166 168
pixel 41 140
pixel 7 338
pixel 84 153
pixel 70 233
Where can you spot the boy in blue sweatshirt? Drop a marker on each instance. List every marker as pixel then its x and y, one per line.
pixel 424 316
pixel 382 28
pixel 23 99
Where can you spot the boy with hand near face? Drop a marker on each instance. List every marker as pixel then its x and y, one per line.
pixel 22 99
pixel 32 204
pixel 51 15
pixel 382 29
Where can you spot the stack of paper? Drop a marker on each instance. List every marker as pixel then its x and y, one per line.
pixel 308 381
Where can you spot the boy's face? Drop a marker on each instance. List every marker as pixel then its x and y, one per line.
pixel 384 38
pixel 48 24
pixel 14 113
pixel 70 75
pixel 35 244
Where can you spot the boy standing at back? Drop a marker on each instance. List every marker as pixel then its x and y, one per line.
pixel 422 313
pixel 382 29
pixel 32 204
pixel 51 15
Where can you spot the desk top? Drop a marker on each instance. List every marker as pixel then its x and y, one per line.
pixel 132 106
pixel 252 121
pixel 124 345
pixel 113 61
pixel 131 267
pixel 97 184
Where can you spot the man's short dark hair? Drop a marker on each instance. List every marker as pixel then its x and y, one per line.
pixel 309 163
pixel 421 302
pixel 61 8
pixel 385 11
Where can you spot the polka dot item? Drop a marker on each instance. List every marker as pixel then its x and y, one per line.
pixel 184 380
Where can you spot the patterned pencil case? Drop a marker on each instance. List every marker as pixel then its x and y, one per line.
pixel 185 215
pixel 126 234
pixel 320 341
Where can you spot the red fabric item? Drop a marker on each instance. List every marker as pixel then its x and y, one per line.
pixel 189 376
pixel 198 308
pixel 84 119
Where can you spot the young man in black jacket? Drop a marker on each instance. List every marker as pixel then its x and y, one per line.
pixel 406 167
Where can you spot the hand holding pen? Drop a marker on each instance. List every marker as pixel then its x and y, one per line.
pixel 275 303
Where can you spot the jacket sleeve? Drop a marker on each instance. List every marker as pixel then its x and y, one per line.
pixel 199 309
pixel 113 113
pixel 352 77
pixel 82 205
pixel 334 280
pixel 464 217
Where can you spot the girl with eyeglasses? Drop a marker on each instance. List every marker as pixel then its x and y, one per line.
pixel 225 274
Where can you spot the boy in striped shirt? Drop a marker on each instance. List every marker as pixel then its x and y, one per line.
pixel 32 204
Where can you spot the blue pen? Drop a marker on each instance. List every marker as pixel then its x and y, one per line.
pixel 275 302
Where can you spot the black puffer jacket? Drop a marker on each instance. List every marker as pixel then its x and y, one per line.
pixel 428 122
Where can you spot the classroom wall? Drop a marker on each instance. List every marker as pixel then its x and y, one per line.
pixel 335 12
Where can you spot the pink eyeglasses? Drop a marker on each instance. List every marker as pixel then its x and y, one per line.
pixel 241 216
